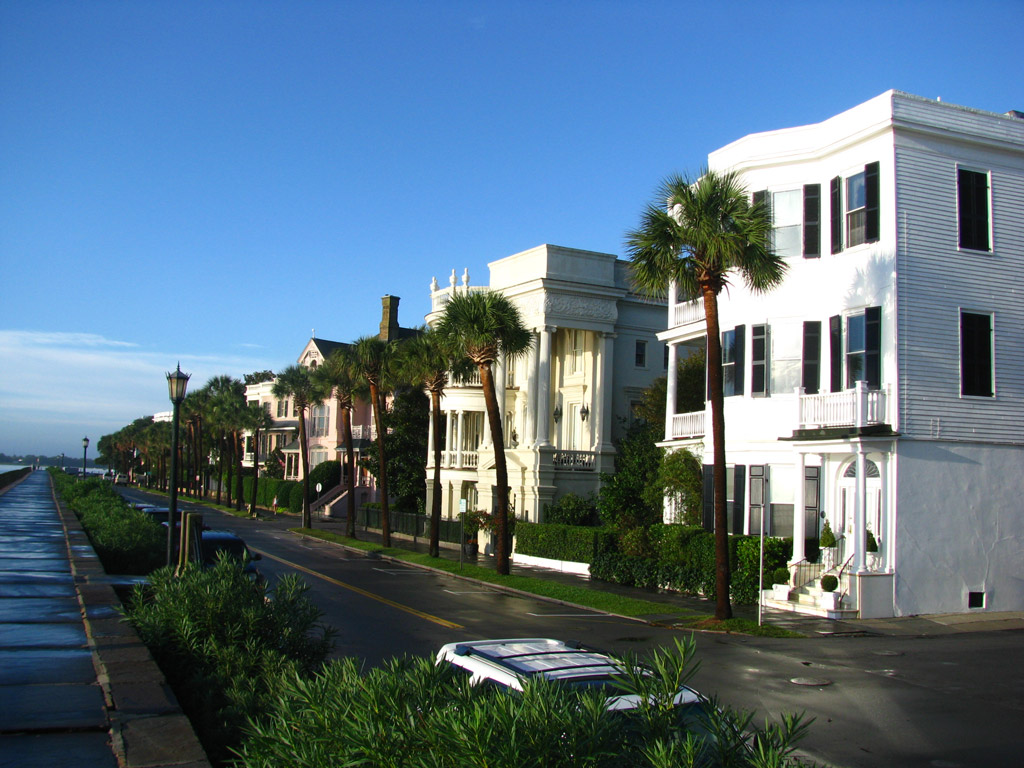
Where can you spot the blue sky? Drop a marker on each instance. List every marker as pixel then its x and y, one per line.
pixel 210 181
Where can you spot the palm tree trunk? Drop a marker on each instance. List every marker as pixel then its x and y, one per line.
pixel 350 473
pixel 502 564
pixel 220 467
pixel 255 470
pixel 307 520
pixel 229 441
pixel 723 608
pixel 435 503
pixel 239 446
pixel 382 472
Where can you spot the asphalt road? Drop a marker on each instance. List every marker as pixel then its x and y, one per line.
pixel 939 701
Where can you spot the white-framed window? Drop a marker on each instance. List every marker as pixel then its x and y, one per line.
pixel 855 344
pixel 319 420
pixel 854 206
pixel 973 203
pixel 787 223
pixel 977 377
pixel 575 351
pixel 510 372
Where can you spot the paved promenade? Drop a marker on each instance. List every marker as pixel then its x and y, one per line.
pixel 77 686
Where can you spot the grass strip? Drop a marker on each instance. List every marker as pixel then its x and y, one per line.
pixel 592 598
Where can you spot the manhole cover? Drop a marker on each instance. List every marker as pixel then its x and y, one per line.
pixel 888 653
pixel 813 682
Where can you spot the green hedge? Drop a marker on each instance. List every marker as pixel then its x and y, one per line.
pixel 327 473
pixel 576 543
pixel 294 499
pixel 685 562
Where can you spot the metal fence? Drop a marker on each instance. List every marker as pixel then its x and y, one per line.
pixel 409 523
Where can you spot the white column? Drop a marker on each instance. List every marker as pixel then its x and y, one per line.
pixel 529 438
pixel 449 437
pixel 672 374
pixel 604 395
pixel 884 528
pixel 544 387
pixel 671 304
pixel 430 438
pixel 499 387
pixel 458 439
pixel 799 503
pixel 860 512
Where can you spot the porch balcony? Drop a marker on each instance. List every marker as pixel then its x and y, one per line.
pixel 686 313
pixel 858 407
pixel 686 425
pixel 364 432
pixel 456 460
pixel 575 461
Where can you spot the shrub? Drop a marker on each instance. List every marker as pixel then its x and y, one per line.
pixel 411 712
pixel 828 539
pixel 223 646
pixel 780 576
pixel 575 543
pixel 327 473
pixel 125 540
pixel 872 544
pixel 572 509
pixel 295 497
pixel 829 583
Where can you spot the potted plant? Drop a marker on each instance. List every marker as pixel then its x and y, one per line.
pixel 830 599
pixel 472 523
pixel 827 542
pixel 780 584
pixel 871 547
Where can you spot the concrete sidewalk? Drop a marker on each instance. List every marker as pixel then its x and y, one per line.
pixel 77 686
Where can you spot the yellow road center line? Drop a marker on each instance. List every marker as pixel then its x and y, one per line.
pixel 364 593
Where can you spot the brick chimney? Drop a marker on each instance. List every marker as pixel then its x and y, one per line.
pixel 389 318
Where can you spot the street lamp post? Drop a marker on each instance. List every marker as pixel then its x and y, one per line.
pixel 85 454
pixel 176 384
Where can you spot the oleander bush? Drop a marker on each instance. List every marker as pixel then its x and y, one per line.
pixel 225 648
pixel 125 540
pixel 414 713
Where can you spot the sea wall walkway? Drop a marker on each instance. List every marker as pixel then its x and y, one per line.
pixel 77 686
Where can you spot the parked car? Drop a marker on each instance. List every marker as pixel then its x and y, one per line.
pixel 214 542
pixel 510 662
pixel 120 479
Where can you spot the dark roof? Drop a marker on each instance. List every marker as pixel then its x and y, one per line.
pixel 326 347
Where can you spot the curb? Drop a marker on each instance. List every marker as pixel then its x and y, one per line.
pixel 147 727
pixel 496 587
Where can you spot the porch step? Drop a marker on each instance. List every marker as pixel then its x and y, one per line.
pixel 808 609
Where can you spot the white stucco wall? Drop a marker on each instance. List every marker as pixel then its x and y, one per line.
pixel 959 526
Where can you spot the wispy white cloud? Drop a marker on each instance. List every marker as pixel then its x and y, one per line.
pixel 54 386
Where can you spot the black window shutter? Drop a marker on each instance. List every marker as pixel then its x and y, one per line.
pixel 739 497
pixel 759 363
pixel 741 334
pixel 836 222
pixel 709 498
pixel 835 343
pixel 761 197
pixel 873 347
pixel 972 193
pixel 871 214
pixel 812 221
pixel 812 356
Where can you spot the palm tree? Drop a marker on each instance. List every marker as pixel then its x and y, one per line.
pixel 482 326
pixel 296 382
pixel 425 360
pixel 695 236
pixel 256 417
pixel 371 358
pixel 336 375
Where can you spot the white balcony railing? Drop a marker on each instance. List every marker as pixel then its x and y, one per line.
pixel 457 460
pixel 687 425
pixel 364 432
pixel 687 312
pixel 858 407
pixel 575 461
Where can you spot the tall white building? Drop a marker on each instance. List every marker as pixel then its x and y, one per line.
pixel 565 402
pixel 881 387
